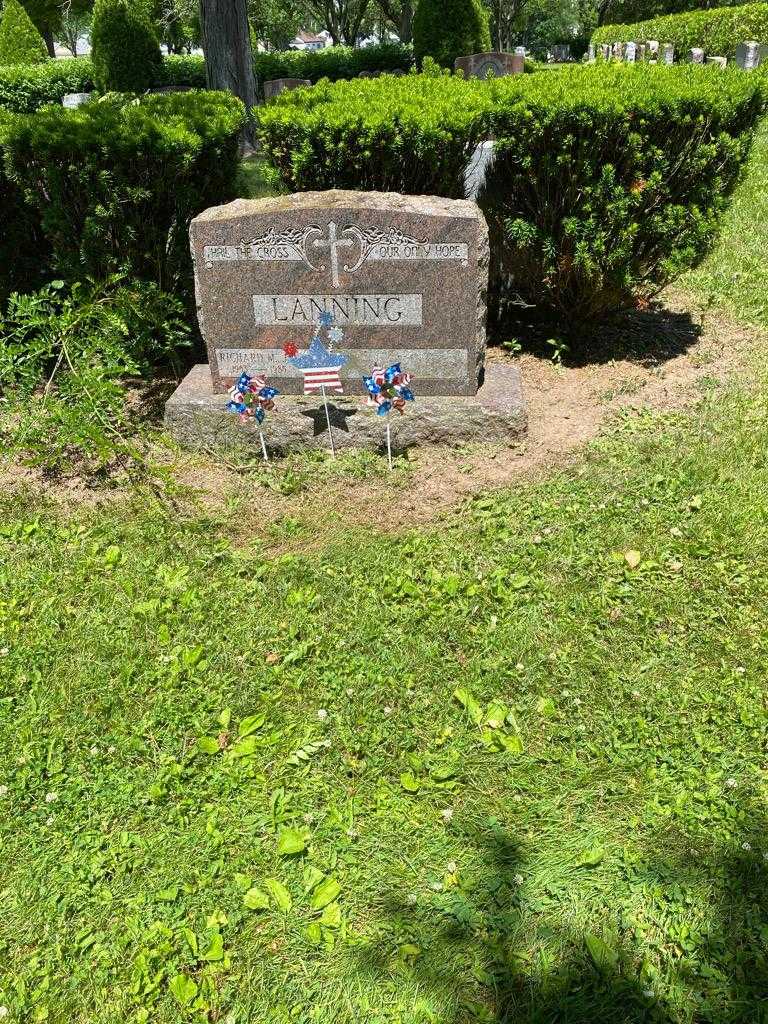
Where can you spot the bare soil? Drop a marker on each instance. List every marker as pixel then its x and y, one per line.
pixel 656 360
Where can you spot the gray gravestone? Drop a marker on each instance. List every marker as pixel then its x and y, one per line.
pixel 73 100
pixel 278 85
pixel 653 49
pixel 405 277
pixel 642 53
pixel 668 52
pixel 696 55
pixel 490 65
pixel 630 53
pixel 591 53
pixel 605 51
pixel 520 51
pixel 618 50
pixel 750 55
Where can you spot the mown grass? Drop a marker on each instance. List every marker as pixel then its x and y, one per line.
pixel 595 852
pixel 735 275
pixel 508 768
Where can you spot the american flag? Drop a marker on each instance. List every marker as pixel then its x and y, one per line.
pixel 320 367
pixel 327 377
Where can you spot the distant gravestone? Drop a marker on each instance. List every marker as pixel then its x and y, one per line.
pixel 642 53
pixel 277 85
pixel 561 52
pixel 520 51
pixel 605 51
pixel 405 277
pixel 653 49
pixel 750 55
pixel 618 50
pixel 591 53
pixel 696 55
pixel 720 62
pixel 630 53
pixel 490 65
pixel 668 53
pixel 73 100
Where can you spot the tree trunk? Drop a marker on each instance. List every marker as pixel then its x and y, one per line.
pixel 47 35
pixel 228 58
pixel 406 22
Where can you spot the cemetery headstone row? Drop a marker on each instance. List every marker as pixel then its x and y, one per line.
pixel 749 55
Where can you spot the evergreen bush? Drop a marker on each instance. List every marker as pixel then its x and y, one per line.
pixel 20 42
pixel 116 183
pixel 607 182
pixel 333 63
pixel 24 253
pixel 124 47
pixel 718 31
pixel 447 29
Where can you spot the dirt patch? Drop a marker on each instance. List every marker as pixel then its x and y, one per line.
pixel 656 360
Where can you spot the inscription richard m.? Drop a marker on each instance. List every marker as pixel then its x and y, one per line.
pixel 370 310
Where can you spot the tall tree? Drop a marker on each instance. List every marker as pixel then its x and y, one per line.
pixel 228 56
pixel 276 22
pixel 342 18
pixel 400 14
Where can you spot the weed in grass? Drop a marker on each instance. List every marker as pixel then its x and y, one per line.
pixel 510 769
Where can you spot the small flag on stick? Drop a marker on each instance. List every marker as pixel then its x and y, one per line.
pixel 321 366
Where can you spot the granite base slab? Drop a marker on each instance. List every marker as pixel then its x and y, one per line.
pixel 197 418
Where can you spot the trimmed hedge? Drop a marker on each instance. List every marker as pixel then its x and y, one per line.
pixel 116 183
pixel 24 253
pixel 608 181
pixel 333 63
pixel 26 89
pixel 718 31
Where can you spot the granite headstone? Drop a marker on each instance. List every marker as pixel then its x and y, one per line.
pixel 493 64
pixel 277 85
pixel 750 55
pixel 668 52
pixel 405 277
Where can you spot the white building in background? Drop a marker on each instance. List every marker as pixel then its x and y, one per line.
pixel 311 40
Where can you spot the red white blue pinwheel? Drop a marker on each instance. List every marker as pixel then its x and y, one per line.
pixel 251 399
pixel 388 391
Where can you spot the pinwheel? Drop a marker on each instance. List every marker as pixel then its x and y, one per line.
pixel 388 391
pixel 251 399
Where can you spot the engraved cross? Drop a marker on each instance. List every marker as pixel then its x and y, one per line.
pixel 333 244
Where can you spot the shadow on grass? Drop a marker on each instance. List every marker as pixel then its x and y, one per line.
pixel 649 338
pixel 718 976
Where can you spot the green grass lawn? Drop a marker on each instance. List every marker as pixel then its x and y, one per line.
pixel 735 275
pixel 508 768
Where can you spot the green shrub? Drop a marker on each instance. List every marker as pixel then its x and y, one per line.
pixel 65 355
pixel 447 29
pixel 718 31
pixel 188 70
pixel 413 134
pixel 125 51
pixel 24 252
pixel 608 180
pixel 117 182
pixel 25 89
pixel 20 42
pixel 333 63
